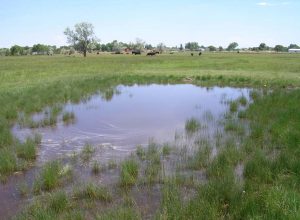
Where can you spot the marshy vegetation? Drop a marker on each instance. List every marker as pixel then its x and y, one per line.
pixel 249 169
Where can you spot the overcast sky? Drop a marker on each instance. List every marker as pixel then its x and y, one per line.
pixel 209 22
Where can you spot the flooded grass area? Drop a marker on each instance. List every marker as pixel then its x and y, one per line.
pixel 129 117
pixel 85 139
pixel 134 139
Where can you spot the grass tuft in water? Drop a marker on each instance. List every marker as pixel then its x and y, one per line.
pixel 233 106
pixel 87 152
pixel 96 168
pixel 93 192
pixel 49 177
pixel 27 150
pixel 8 163
pixel 243 100
pixel 68 117
pixel 129 172
pixel 192 125
pixel 58 201
pixel 140 152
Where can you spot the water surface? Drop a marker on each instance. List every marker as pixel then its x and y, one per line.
pixel 131 117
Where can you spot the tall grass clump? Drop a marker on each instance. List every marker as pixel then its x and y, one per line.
pixel 192 125
pixel 68 117
pixel 120 213
pixel 8 162
pixel 49 177
pixel 153 161
pixel 201 158
pixel 140 152
pixel 96 168
pixel 233 106
pixel 87 152
pixel 27 150
pixel 243 100
pixel 92 191
pixel 129 172
pixel 58 201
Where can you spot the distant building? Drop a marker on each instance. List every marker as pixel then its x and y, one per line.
pixel 294 50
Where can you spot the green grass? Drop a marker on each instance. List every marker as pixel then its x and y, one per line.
pixel 87 152
pixel 96 168
pixel 120 213
pixel 68 117
pixel 233 106
pixel 270 155
pixel 192 125
pixel 93 192
pixel 129 172
pixel 27 150
pixel 49 177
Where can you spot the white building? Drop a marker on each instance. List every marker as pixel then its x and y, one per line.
pixel 294 50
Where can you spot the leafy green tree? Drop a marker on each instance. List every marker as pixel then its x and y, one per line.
pixel 148 47
pixel 293 46
pixel 16 50
pixel 82 37
pixel 280 48
pixel 232 46
pixel 97 46
pixel 212 48
pixel 263 46
pixel 221 48
pixel 192 46
pixel 40 48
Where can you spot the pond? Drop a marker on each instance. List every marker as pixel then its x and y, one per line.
pixel 115 123
pixel 131 117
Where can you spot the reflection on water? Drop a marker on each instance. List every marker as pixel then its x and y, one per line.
pixel 129 115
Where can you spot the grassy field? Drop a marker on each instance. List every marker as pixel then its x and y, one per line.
pixel 269 155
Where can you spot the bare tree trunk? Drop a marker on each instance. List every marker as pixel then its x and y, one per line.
pixel 84 53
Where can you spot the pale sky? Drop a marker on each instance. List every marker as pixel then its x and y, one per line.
pixel 208 22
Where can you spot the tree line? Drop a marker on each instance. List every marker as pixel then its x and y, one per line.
pixel 83 40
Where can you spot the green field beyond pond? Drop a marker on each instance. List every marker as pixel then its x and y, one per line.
pixel 254 175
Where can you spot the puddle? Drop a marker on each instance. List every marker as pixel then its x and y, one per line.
pixel 131 117
pixel 117 123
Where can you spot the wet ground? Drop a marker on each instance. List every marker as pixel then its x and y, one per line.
pixel 116 125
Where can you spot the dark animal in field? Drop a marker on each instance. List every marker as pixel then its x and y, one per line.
pixel 151 53
pixel 192 54
pixel 200 54
pixel 157 52
pixel 136 52
pixel 98 53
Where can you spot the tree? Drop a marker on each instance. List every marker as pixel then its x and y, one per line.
pixel 192 46
pixel 148 47
pixel 82 37
pixel 139 44
pixel 161 47
pixel 16 50
pixel 181 47
pixel 221 48
pixel 212 48
pixel 232 46
pixel 280 48
pixel 293 46
pixel 40 48
pixel 263 46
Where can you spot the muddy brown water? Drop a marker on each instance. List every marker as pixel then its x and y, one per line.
pixel 116 126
